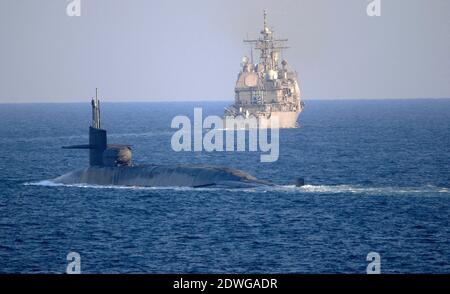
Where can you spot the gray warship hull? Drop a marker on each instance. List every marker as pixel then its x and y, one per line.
pixel 285 120
pixel 163 176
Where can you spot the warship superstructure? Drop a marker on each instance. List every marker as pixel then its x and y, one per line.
pixel 268 89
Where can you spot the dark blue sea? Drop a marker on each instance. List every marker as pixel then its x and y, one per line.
pixel 377 175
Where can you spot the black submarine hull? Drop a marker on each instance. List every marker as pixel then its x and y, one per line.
pixel 194 176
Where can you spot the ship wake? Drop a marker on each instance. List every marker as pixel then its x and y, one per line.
pixel 307 189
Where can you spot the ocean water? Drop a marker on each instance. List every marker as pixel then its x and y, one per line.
pixel 377 174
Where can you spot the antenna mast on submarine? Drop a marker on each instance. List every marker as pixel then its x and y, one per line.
pixel 96 111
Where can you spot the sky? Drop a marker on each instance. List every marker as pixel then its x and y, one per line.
pixel 178 50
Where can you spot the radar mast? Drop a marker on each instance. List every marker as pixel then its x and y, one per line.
pixel 268 46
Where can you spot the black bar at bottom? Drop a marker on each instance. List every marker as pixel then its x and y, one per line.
pixel 209 283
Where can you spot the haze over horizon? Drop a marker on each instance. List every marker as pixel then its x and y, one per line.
pixel 168 50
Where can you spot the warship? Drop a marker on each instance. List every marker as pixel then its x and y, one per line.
pixel 111 165
pixel 267 89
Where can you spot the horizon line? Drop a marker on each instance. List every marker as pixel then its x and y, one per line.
pixel 217 100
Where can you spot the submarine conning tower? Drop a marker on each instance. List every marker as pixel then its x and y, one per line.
pixel 100 153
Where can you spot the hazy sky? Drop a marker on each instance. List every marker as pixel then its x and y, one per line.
pixel 191 50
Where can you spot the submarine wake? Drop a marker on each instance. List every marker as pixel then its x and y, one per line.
pixel 370 191
pixel 51 183
pixel 305 190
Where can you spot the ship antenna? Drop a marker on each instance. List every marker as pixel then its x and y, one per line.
pixel 251 51
pixel 98 108
pixel 251 55
pixel 265 18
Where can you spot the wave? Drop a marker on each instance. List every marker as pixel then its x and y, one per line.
pixel 354 189
pixel 50 183
pixel 307 189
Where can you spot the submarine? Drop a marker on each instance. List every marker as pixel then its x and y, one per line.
pixel 112 165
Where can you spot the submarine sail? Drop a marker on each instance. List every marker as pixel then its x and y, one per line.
pixel 100 153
